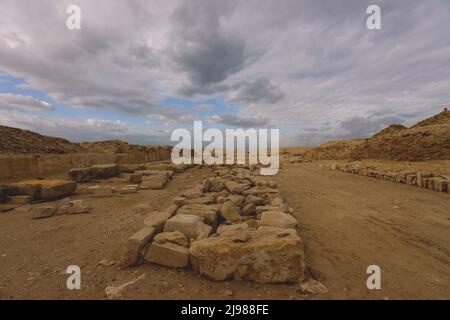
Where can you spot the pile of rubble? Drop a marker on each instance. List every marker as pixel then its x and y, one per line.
pixel 235 225
pixel 421 179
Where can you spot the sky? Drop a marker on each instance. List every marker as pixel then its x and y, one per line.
pixel 137 70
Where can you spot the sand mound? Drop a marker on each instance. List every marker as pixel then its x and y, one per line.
pixel 15 141
pixel 339 149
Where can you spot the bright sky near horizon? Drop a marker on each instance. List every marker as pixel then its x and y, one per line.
pixel 138 69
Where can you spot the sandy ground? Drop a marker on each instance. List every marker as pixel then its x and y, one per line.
pixel 347 223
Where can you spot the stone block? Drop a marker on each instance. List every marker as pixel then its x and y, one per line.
pixel 53 189
pixel 136 245
pixel 43 212
pixel 80 174
pixel 168 254
pixel 277 219
pixel 185 223
pixel 268 255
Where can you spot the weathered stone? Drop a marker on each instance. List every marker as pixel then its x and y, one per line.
pixel 131 168
pixel 248 209
pixel 203 231
pixel 258 201
pixel 421 176
pixel 230 212
pixel 20 199
pixel 233 187
pixel 136 245
pixel 256 191
pixel 175 237
pixel 135 178
pixel 43 212
pixel 207 199
pixel 205 185
pixel 426 183
pixel 168 254
pixel 185 223
pixel 439 184
pixel 179 201
pixel 195 192
pixel 79 209
pixel 104 171
pixel 236 200
pixel 156 220
pixel 261 209
pixel 63 209
pixel 129 189
pixel 76 203
pixel 153 174
pixel 25 208
pixel 31 188
pixel 207 212
pixel 279 202
pixel 91 189
pixel 52 189
pixel 171 210
pixel 240 236
pixel 222 172
pixel 277 219
pixel 80 174
pixel 264 258
pixel 102 191
pixel 312 286
pixel 411 178
pixel 215 185
pixel 154 182
pixel 232 227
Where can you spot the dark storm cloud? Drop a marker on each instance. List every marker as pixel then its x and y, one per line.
pixel 259 91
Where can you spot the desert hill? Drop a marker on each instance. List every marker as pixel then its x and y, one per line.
pixel 19 141
pixel 427 140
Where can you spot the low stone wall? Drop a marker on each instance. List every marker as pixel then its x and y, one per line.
pixel 422 179
pixel 31 166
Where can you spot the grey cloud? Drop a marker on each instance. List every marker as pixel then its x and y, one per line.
pixel 15 102
pixel 361 127
pixel 299 63
pixel 202 47
pixel 258 91
pixel 237 121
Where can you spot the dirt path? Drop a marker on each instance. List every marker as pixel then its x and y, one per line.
pixel 349 222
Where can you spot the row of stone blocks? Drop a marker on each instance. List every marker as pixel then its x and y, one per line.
pixel 421 179
pixel 27 191
pixel 110 170
pixel 232 226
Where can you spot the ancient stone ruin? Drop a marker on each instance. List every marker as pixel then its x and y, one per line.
pixel 235 225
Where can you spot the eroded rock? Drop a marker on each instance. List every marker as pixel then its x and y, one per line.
pixel 264 258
